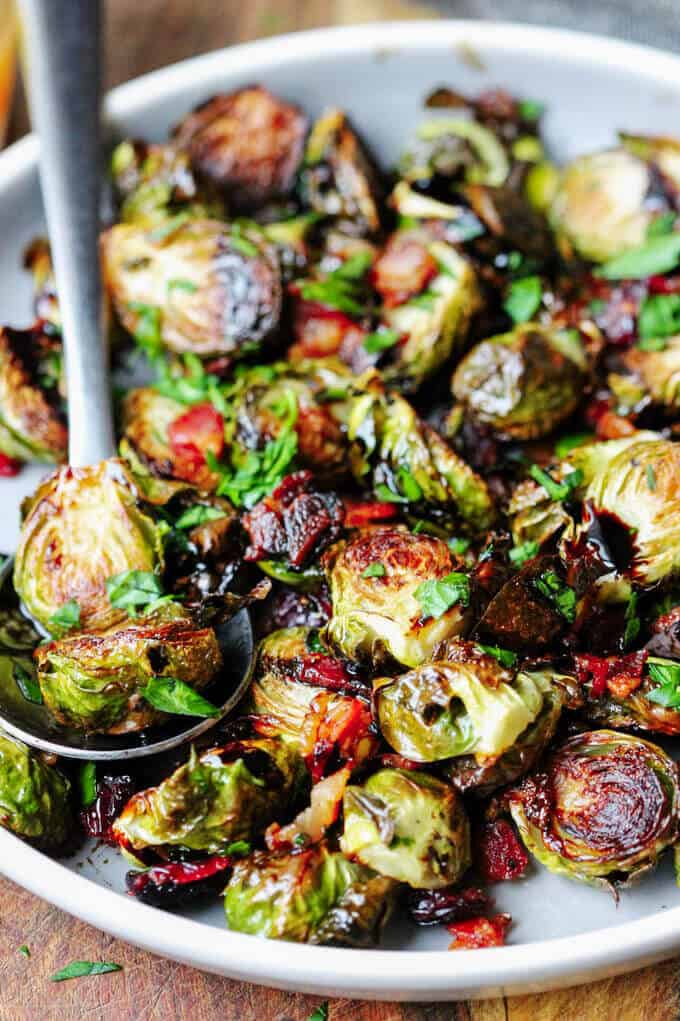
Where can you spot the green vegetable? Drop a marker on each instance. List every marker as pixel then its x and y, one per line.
pixel 565 444
pixel 436 596
pixel 198 515
pixel 633 622
pixel 458 546
pixel 24 950
pixel 558 593
pixel 376 570
pixel 171 695
pixel 240 848
pixel 87 783
pixel 530 109
pixel 557 491
pixel 380 341
pixel 523 299
pixel 182 285
pixel 504 656
pixel 656 256
pixel 659 317
pixel 34 797
pixel 79 969
pixel 518 555
pixel 66 618
pixel 27 684
pixel 319 1013
pixel 651 477
pixel 663 224
pixel 133 590
pixel 665 674
pixel 341 289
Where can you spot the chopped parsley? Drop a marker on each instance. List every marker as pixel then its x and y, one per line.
pixel 632 622
pixel 436 596
pixel 27 683
pixel 172 695
pixel 320 1013
pixel 136 590
pixel 180 284
pixel 147 328
pixel 557 491
pixel 530 109
pixel 374 570
pixel 240 848
pixel 505 657
pixel 558 593
pixel 66 618
pixel 79 969
pixel 408 489
pixel 661 225
pixel 523 299
pixel 659 317
pixel 566 444
pixel 380 341
pixel 518 555
pixel 656 256
pixel 193 386
pixel 343 288
pixel 198 515
pixel 666 674
pixel 458 546
pixel 313 641
pixel 24 950
pixel 167 229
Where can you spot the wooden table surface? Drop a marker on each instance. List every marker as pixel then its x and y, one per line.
pixel 142 35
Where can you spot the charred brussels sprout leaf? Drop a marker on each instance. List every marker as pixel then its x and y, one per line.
pixel 32 424
pixel 82 526
pixel 34 797
pixel 604 809
pixel 409 826
pixel 309 896
pixel 235 302
pixel 657 368
pixel 381 616
pixel 522 384
pixel 96 681
pixel 218 797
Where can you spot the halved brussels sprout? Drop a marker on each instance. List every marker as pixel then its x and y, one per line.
pixel 660 151
pixel 524 383
pixel 631 484
pixel 407 462
pixel 81 527
pixel 195 286
pixel 658 372
pixel 434 323
pixel 458 148
pixel 34 797
pixel 216 798
pixel 534 516
pixel 339 177
pixel 310 896
pixel 382 612
pixel 599 210
pixel 248 143
pixel 32 425
pixel 94 681
pixel 470 705
pixel 409 826
pixel 154 182
pixel 603 810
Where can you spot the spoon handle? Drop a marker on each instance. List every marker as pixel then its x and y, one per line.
pixel 64 38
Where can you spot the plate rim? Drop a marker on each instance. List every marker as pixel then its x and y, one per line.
pixel 369 974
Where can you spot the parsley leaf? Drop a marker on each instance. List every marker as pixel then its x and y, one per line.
pixel 134 590
pixel 436 596
pixel 556 592
pixel 341 289
pixel 167 229
pixel 557 491
pixel 666 673
pixel 87 783
pixel 192 386
pixel 657 255
pixel 172 695
pixel 659 316
pixel 66 618
pixel 180 284
pixel 662 225
pixel 632 621
pixel 313 641
pixel 78 969
pixel 24 950
pixel 27 683
pixel 243 245
pixel 530 109
pixel 380 341
pixel 458 546
pixel 523 299
pixel 147 328
pixel 320 1013
pixel 374 570
pixel 504 656
pixel 240 848
pixel 198 515
pixel 525 551
pixel 565 444
pixel 408 489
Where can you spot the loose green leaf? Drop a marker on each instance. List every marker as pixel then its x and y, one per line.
pixel 66 618
pixel 171 695
pixel 320 1013
pixel 191 386
pixel 566 444
pixel 87 783
pixel 557 491
pixel 198 515
pixel 147 331
pixel 436 596
pixel 504 656
pixel 380 341
pixel 313 641
pixel 167 229
pixel 632 621
pixel 525 551
pixel 652 344
pixel 530 109
pixel 132 590
pixel 663 224
pixel 24 950
pixel 458 546
pixel 240 848
pixel 665 673
pixel 523 299
pixel 179 284
pixel 244 246
pixel 374 570
pixel 27 683
pixel 656 256
pixel 341 289
pixel 659 316
pixel 79 969
pixel 556 592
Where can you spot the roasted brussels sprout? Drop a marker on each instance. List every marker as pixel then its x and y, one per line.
pixel 32 423
pixel 658 372
pixel 34 797
pixel 407 462
pixel 95 681
pixel 81 527
pixel 310 896
pixel 409 826
pixel 602 810
pixel 467 704
pixel 38 261
pixel 339 177
pixel 195 286
pixel 216 798
pixel 599 209
pixel 524 383
pixel 248 143
pixel 394 595
pixel 453 147
pixel 154 182
pixel 434 322
pixel 660 152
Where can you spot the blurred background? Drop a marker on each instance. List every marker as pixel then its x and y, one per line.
pixel 144 34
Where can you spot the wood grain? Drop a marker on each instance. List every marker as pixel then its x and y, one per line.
pixel 142 35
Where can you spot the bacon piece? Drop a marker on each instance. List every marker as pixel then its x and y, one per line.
pixel 403 269
pixel 358 514
pixel 311 824
pixel 335 727
pixel 191 436
pixel 476 933
pixel 621 675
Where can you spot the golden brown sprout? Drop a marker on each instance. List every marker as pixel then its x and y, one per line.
pixel 32 425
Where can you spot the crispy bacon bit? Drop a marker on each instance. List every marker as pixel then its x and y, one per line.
pixel 336 729
pixel 403 269
pixel 294 522
pixel 311 824
pixel 9 467
pixel 500 853
pixel 321 331
pixel 621 675
pixel 176 883
pixel 610 426
pixel 477 933
pixel 434 907
pixel 113 793
pixel 191 436
pixel 358 513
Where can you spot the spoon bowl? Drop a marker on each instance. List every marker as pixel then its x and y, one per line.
pixel 34 724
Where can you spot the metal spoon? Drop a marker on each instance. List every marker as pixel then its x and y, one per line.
pixel 64 38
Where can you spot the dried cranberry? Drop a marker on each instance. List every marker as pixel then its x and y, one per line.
pixel 113 793
pixel 500 855
pixel 439 907
pixel 8 467
pixel 178 883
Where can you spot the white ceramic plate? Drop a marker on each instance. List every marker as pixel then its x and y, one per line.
pixel 563 933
